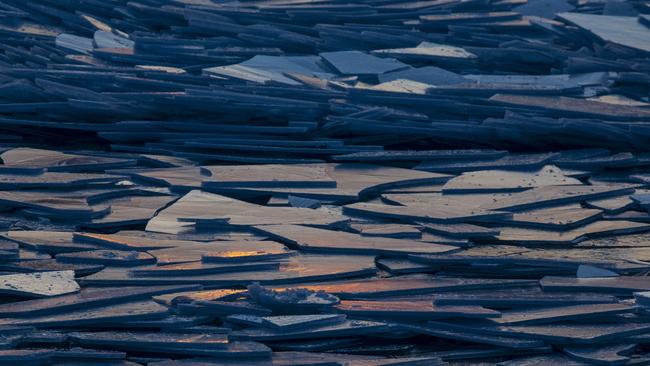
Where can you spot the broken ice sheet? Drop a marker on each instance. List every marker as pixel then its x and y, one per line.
pixel 26 356
pixel 572 236
pixel 47 241
pixel 301 321
pixel 565 106
pixel 27 160
pixel 428 75
pixel 86 298
pixel 352 181
pixel 626 31
pixel 410 155
pixel 386 230
pixel 298 268
pixel 222 308
pixel 587 271
pixel 397 86
pixel 108 257
pixel 623 241
pixel 399 266
pixel 427 51
pixel 99 316
pixel 40 284
pixel 440 330
pixel 256 251
pixel 507 162
pixel 215 345
pixel 54 205
pixel 615 285
pixel 74 43
pixel 130 211
pixel 265 69
pixel 198 208
pixel 191 252
pixel 409 285
pixel 207 295
pixel 199 268
pixel 554 218
pixel 138 241
pixel 461 230
pixel 612 354
pixel 426 208
pixel 503 181
pixel 412 310
pixel 500 259
pixel 313 239
pixel 103 39
pixel 346 328
pixel 359 63
pixel 268 176
pixel 555 195
pixel 544 8
pixel 521 297
pixel 554 314
pixel 47 265
pixel 576 333
pixel 244 217
pixel 52 180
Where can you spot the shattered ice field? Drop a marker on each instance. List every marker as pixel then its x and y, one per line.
pixel 324 182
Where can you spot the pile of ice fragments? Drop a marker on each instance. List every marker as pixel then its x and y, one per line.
pixel 324 183
pixel 282 81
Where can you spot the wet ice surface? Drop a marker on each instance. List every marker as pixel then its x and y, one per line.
pixel 361 183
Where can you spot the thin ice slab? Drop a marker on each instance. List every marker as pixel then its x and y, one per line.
pixel 41 284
